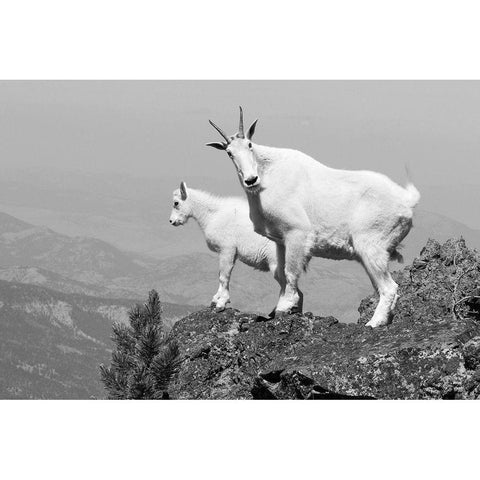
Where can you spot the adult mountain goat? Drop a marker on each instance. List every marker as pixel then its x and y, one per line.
pixel 310 209
pixel 229 232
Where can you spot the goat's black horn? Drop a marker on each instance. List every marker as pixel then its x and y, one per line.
pixel 241 134
pixel 220 131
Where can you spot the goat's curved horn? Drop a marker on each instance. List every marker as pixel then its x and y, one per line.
pixel 241 134
pixel 220 131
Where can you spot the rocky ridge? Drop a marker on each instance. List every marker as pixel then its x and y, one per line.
pixel 430 351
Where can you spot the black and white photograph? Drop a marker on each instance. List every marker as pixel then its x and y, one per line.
pixel 206 204
pixel 159 241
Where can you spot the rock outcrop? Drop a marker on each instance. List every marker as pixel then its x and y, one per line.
pixel 431 350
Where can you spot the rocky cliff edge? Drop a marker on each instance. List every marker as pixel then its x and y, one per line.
pixel 431 349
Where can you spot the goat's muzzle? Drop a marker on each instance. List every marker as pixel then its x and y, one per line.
pixel 251 181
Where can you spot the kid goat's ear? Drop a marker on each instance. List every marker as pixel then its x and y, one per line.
pixel 218 145
pixel 251 130
pixel 183 190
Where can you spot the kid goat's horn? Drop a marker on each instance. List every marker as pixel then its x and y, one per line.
pixel 220 131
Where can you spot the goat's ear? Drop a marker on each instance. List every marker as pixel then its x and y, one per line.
pixel 251 130
pixel 218 145
pixel 183 190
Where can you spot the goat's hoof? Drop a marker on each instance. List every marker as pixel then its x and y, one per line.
pixel 377 323
pixel 272 313
pixel 219 309
pixel 294 310
pixel 289 311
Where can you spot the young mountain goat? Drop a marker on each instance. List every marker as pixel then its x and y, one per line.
pixel 229 232
pixel 310 209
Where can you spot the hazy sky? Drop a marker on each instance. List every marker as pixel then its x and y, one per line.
pixel 159 128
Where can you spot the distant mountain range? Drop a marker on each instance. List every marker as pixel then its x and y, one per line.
pixel 81 258
pixel 52 343
pixel 46 278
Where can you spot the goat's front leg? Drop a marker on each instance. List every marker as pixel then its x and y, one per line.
pixel 226 262
pixel 278 270
pixel 295 259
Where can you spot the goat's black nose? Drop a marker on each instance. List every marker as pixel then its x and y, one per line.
pixel 251 181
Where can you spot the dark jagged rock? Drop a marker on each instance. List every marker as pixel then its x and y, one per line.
pixel 431 350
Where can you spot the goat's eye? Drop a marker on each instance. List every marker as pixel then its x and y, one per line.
pixel 229 154
pixel 249 145
pixel 175 204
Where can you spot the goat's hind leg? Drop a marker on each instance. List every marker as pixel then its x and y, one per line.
pixel 375 261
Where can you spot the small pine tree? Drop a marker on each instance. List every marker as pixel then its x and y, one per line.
pixel 145 358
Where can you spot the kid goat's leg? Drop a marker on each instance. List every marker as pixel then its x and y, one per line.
pixel 226 262
pixel 375 261
pixel 295 258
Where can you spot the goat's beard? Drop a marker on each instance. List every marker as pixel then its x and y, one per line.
pixel 253 190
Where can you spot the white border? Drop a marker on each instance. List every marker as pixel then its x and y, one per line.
pixel 238 440
pixel 251 39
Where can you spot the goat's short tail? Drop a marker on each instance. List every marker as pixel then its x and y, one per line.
pixel 413 195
